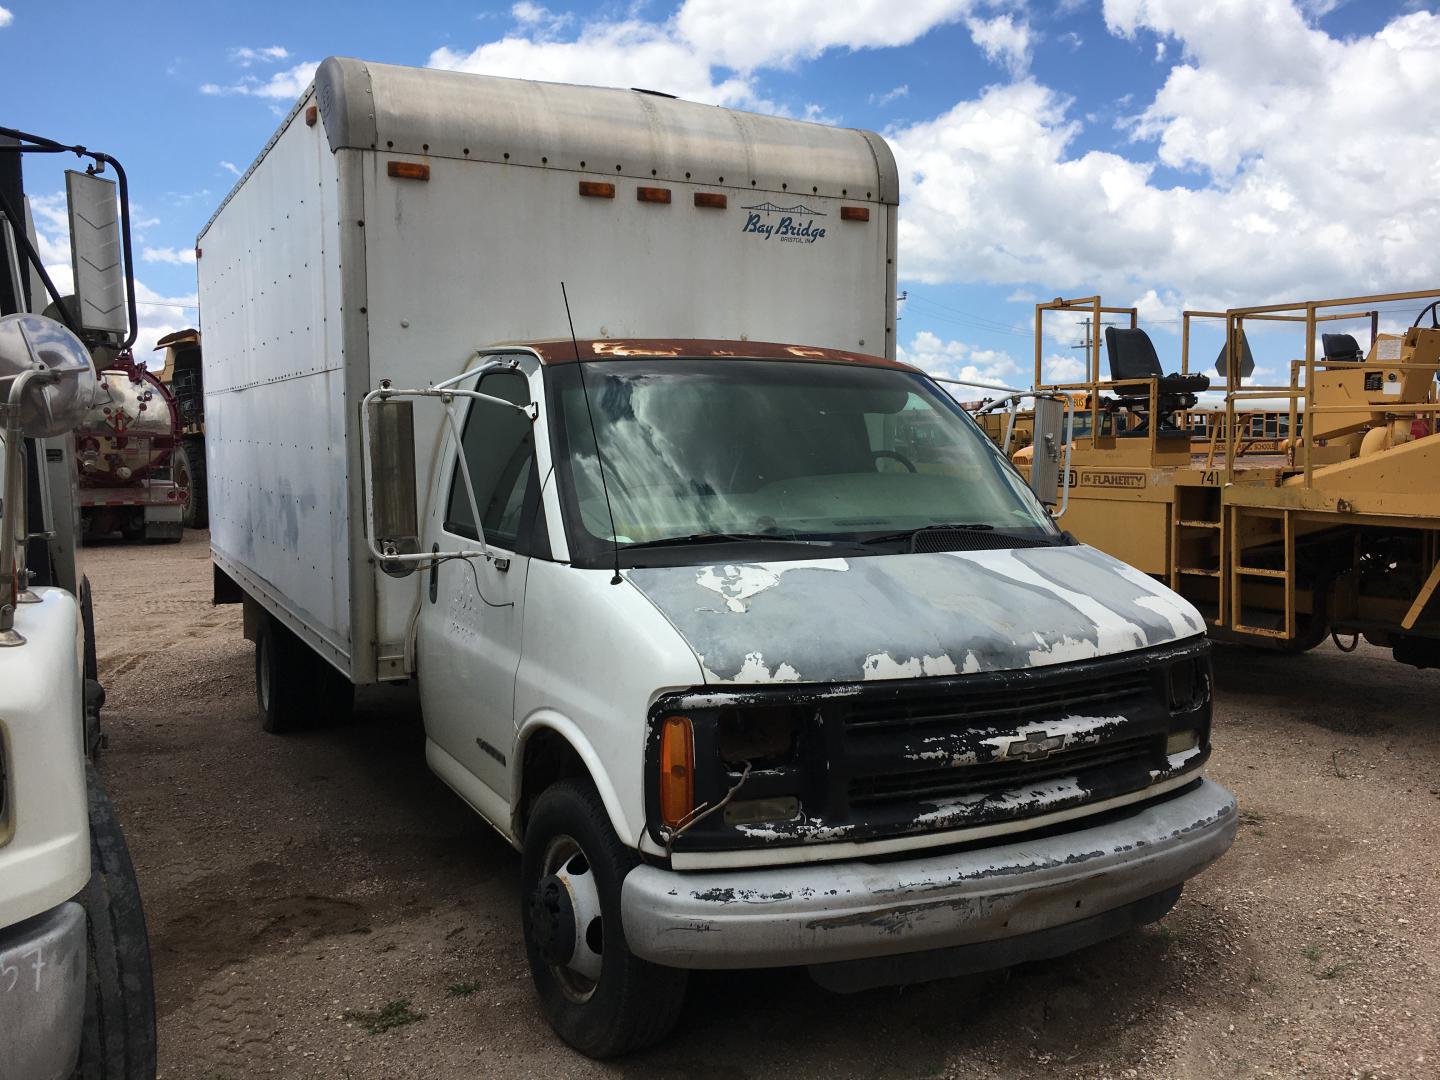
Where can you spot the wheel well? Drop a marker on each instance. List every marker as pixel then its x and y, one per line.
pixel 549 757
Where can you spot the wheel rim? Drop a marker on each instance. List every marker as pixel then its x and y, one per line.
pixel 577 902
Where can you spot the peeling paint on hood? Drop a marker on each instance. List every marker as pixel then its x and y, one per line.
pixel 912 615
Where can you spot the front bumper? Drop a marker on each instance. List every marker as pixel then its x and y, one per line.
pixel 42 994
pixel 820 914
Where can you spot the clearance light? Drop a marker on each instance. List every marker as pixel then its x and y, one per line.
pixel 597 189
pixel 407 170
pixel 653 194
pixel 854 213
pixel 311 115
pixel 711 200
pixel 677 770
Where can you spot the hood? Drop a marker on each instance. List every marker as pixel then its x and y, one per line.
pixel 907 616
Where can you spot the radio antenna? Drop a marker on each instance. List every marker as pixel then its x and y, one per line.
pixel 599 461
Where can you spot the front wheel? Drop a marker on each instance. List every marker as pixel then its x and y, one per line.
pixel 597 995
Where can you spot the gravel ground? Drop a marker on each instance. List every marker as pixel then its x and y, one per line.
pixel 293 882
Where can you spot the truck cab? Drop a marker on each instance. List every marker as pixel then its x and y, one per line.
pixel 748 686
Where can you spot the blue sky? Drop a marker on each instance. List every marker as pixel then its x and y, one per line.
pixel 1169 153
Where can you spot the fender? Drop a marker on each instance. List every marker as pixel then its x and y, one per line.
pixel 568 730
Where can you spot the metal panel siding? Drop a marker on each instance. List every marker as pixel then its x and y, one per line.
pixel 274 387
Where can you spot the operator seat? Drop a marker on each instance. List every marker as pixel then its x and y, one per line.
pixel 1133 361
pixel 1341 347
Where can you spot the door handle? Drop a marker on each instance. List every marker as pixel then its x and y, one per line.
pixel 434 574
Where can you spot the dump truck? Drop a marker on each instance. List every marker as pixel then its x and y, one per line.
pixel 579 408
pixel 182 376
pixel 76 998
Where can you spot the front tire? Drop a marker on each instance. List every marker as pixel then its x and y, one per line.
pixel 597 995
pixel 118 1039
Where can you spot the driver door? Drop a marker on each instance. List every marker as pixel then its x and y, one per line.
pixel 472 611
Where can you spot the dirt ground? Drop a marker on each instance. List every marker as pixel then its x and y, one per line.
pixel 292 881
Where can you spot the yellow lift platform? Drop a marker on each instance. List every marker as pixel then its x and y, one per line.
pixel 1294 512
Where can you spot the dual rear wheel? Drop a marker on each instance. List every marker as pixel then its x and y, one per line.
pixel 296 688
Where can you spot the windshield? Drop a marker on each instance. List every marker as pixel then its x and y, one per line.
pixel 701 451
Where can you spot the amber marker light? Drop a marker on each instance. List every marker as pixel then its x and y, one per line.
pixel 711 200
pixel 677 770
pixel 653 194
pixel 408 170
pixel 597 189
pixel 854 213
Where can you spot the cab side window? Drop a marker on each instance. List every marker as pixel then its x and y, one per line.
pixel 499 448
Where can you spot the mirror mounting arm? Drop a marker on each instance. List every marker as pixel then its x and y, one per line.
pixel 387 555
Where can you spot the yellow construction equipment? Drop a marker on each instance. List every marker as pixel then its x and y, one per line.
pixel 1294 511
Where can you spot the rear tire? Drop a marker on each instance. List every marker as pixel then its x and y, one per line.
pixel 294 686
pixel 118 1039
pixel 633 1003
pixel 190 474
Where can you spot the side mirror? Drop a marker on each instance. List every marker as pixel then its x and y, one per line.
pixel 97 253
pixel 1049 435
pixel 394 514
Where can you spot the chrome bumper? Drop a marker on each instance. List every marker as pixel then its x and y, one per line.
pixel 42 994
pixel 1027 890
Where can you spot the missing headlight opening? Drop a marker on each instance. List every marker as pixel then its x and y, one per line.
pixel 762 737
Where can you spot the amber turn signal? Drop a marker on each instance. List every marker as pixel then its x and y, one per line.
pixel 677 770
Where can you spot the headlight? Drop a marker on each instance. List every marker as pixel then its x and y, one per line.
pixel 1189 684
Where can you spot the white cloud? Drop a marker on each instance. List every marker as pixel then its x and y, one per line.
pixel 1293 139
pixel 889 96
pixel 6 16
pixel 1003 40
pixel 174 256
pixel 270 54
pixel 284 85
pixel 539 18
pixel 706 52
pixel 230 167
pixel 959 360
pixel 749 34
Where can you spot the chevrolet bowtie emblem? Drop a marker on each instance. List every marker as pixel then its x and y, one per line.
pixel 1033 747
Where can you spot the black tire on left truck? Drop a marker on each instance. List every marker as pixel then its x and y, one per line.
pixel 118 1041
pixel 295 688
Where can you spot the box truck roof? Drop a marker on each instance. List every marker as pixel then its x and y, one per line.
pixel 566 351
pixel 369 106
pixel 558 126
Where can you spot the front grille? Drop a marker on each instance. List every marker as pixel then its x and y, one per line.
pixel 1000 776
pixel 891 758
pixel 997 705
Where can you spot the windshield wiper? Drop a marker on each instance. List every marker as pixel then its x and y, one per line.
pixel 735 537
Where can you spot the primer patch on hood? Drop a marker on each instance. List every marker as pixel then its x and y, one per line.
pixel 907 616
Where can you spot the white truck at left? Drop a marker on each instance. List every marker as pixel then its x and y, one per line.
pixel 76 997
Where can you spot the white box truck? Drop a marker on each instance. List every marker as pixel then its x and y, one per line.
pixel 739 630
